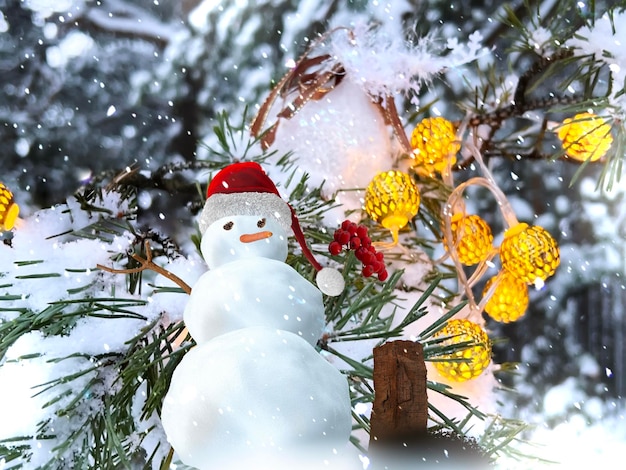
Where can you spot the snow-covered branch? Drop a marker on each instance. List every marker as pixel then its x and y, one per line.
pixel 127 20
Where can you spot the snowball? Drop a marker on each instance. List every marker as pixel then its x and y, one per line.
pixel 330 281
pixel 251 391
pixel 340 140
pixel 254 292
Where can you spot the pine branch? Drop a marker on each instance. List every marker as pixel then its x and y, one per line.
pixel 498 116
pixel 126 20
pixel 164 178
pixel 147 263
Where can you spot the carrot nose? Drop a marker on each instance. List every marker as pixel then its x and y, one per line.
pixel 253 237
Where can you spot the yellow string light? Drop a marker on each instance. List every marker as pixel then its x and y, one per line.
pixel 9 210
pixel 509 300
pixel 392 199
pixel 471 236
pixel 529 253
pixel 470 361
pixel 434 143
pixel 585 137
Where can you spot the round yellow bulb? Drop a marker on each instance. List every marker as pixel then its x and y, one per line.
pixel 585 137
pixel 434 144
pixel 9 210
pixel 529 253
pixel 472 237
pixel 392 199
pixel 470 361
pixel 509 300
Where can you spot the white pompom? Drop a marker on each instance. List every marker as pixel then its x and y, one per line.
pixel 330 282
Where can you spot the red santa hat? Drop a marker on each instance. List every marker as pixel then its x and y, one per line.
pixel 245 189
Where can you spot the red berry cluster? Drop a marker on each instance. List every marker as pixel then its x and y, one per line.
pixel 354 237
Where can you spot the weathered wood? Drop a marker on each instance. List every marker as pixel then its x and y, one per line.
pixel 400 401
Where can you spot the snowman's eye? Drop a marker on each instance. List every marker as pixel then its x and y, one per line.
pixel 261 223
pixel 228 225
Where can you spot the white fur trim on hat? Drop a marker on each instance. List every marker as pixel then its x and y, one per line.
pixel 261 204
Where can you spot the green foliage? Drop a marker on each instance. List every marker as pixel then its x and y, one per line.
pixel 555 81
pixel 234 142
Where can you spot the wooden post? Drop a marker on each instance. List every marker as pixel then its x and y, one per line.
pixel 400 408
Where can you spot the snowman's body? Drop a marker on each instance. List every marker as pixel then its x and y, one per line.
pixel 254 292
pixel 254 383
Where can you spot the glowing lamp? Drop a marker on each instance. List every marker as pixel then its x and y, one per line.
pixel 469 361
pixel 585 137
pixel 471 237
pixel 9 210
pixel 392 199
pixel 434 145
pixel 509 300
pixel 529 253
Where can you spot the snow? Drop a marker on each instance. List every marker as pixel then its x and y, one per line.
pixel 44 267
pixel 307 12
pixel 382 64
pixel 189 268
pixel 540 39
pixel 20 410
pixel 4 26
pixel 605 40
pixel 37 252
pixel 271 293
pixel 573 430
pixel 73 45
pixel 26 402
pixel 126 18
pixel 46 8
pixel 198 16
pixel 149 432
pixel 577 444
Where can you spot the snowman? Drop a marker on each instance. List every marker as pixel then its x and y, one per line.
pixel 254 385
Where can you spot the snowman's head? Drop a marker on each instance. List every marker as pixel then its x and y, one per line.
pixel 237 237
pixel 239 198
